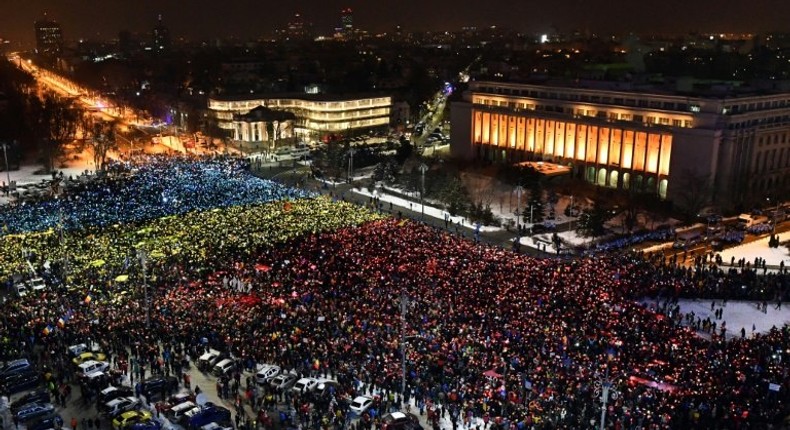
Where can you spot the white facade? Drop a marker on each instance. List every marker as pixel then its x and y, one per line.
pixel 314 118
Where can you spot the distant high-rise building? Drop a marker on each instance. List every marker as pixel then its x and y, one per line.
pixel 124 43
pixel 49 37
pixel 297 28
pixel 347 20
pixel 161 37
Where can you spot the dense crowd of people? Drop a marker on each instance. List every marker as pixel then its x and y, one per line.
pixel 319 287
pixel 146 188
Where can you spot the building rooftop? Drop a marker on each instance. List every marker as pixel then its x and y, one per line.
pixel 298 96
pixel 659 85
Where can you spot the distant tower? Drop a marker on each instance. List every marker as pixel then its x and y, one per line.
pixel 347 20
pixel 49 37
pixel 161 37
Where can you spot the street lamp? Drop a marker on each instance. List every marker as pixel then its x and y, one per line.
pixel 403 304
pixel 423 169
pixel 7 169
pixel 603 386
pixel 143 259
pixel 519 190
pixel 350 163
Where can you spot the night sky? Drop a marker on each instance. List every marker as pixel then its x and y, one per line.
pixel 205 19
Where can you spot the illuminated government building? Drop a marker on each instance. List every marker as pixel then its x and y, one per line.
pixel 317 116
pixel 645 140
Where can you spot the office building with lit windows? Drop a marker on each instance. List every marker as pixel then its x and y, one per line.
pixel 646 139
pixel 49 38
pixel 317 116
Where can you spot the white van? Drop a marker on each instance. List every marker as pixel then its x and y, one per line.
pixel 92 366
pixel 224 367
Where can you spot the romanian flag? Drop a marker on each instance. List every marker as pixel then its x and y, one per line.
pixel 47 330
pixel 88 299
pixel 61 322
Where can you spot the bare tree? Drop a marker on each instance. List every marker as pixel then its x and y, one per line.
pixel 694 193
pixel 102 141
pixel 59 118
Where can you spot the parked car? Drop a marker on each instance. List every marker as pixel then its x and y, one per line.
pixel 52 421
pixel 37 284
pixel 400 421
pixel 266 373
pixel 15 366
pixel 88 356
pixel 325 387
pixel 208 414
pixel 38 396
pixel 158 386
pixel 304 385
pixel 177 412
pixel 128 418
pixel 176 399
pixel 209 359
pixel 116 407
pixel 361 404
pixel 283 381
pixel 92 366
pixel 215 426
pixel 21 290
pixel 224 367
pixel 21 382
pixel 147 425
pixel 112 393
pixel 33 411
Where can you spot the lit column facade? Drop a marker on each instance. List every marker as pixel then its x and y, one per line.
pixel 611 155
pixel 643 140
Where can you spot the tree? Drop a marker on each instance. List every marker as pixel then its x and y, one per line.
pixel 58 119
pixel 534 210
pixel 385 171
pixel 404 150
pixel 455 196
pixel 592 222
pixel 102 142
pixel 694 193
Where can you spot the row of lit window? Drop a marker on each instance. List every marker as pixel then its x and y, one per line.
pixel 610 115
pixel 576 96
pixel 246 105
pixel 630 149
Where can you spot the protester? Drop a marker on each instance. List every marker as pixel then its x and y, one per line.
pixel 326 288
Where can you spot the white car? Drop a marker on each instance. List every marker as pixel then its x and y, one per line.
pixel 21 290
pixel 266 373
pixel 360 404
pixel 92 366
pixel 120 405
pixel 305 385
pixel 37 284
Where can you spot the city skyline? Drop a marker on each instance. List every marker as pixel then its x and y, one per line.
pixel 93 19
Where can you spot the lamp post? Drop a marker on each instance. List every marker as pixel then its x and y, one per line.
pixel 519 190
pixel 423 169
pixel 143 259
pixel 603 385
pixel 403 304
pixel 570 214
pixel 7 169
pixel 350 163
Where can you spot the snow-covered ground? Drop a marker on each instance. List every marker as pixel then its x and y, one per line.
pixel 759 248
pixel 737 315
